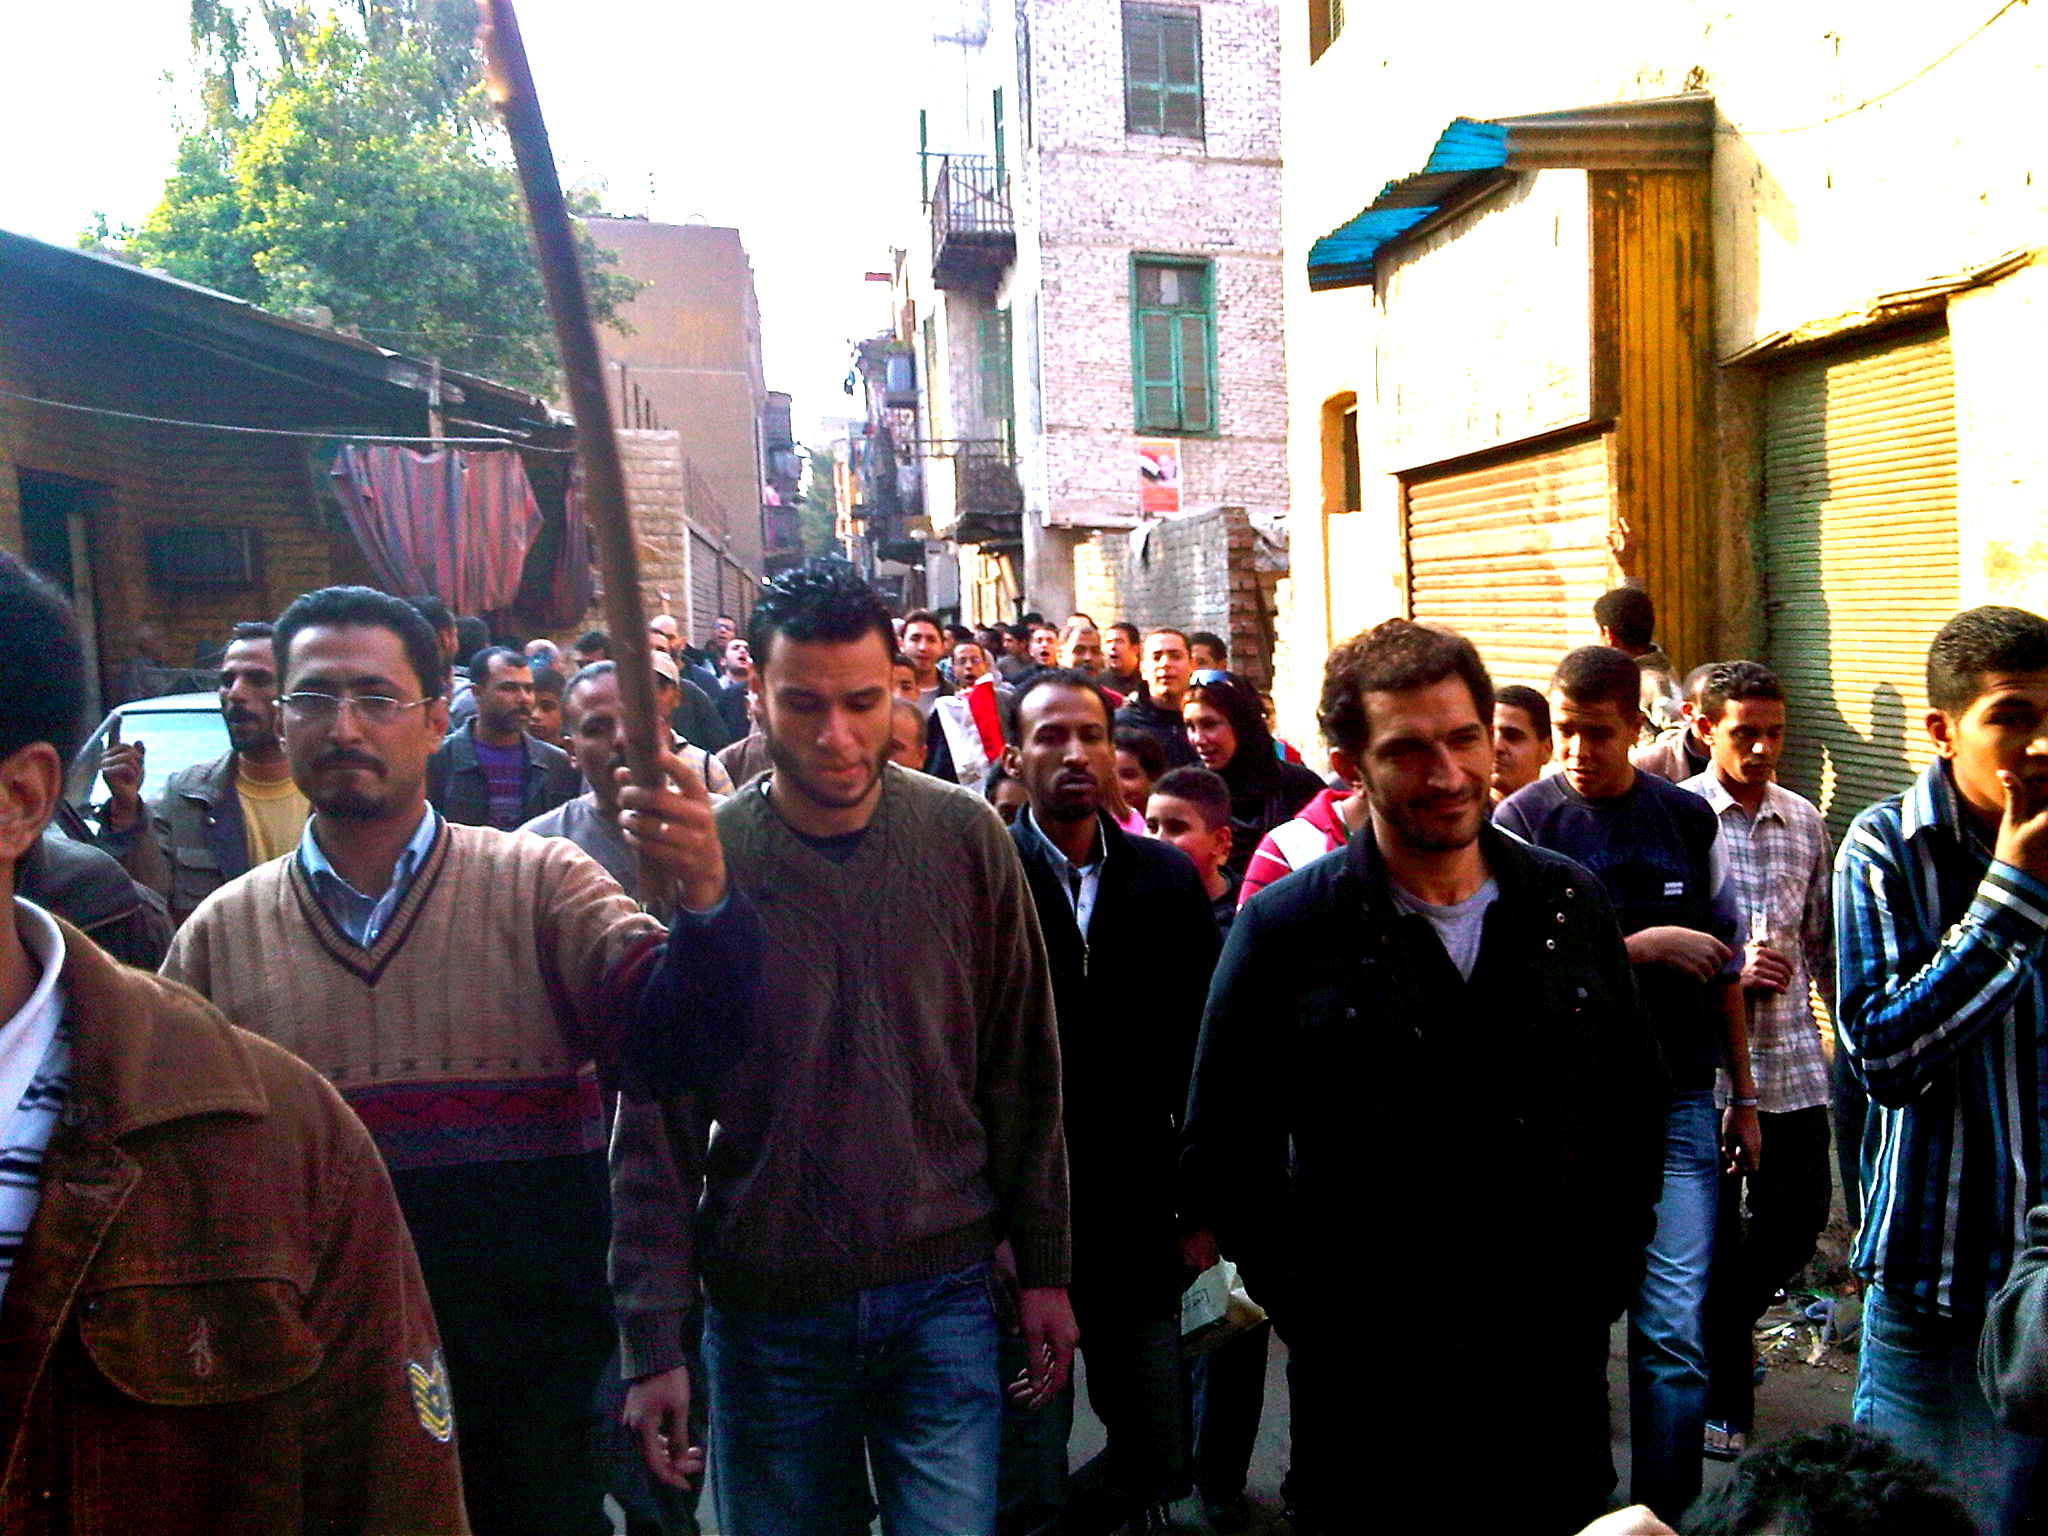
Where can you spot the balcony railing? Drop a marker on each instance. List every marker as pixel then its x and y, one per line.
pixel 973 236
pixel 988 498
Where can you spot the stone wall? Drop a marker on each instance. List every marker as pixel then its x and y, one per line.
pixel 1195 572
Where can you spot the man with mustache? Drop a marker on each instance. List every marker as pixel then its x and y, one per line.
pixel 215 820
pixel 1127 1041
pixel 1435 1020
pixel 359 953
pixel 491 772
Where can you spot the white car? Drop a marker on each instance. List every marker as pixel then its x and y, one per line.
pixel 176 731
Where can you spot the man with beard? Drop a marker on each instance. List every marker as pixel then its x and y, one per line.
pixel 215 820
pixel 1127 1039
pixel 491 772
pixel 451 981
pixel 889 1114
pixel 1439 1014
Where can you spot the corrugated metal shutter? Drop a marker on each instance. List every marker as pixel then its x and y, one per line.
pixel 1859 559
pixel 1513 555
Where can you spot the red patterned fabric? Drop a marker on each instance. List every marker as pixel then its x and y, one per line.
pixel 455 523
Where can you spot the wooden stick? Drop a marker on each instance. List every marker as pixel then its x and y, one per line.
pixel 509 82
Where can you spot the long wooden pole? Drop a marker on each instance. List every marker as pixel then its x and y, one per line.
pixel 509 82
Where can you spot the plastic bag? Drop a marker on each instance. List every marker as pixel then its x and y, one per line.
pixel 1216 1309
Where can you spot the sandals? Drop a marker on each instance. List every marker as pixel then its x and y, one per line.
pixel 1723 1443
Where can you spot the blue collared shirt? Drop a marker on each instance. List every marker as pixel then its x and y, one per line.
pixel 362 917
pixel 1081 882
pixel 1945 1019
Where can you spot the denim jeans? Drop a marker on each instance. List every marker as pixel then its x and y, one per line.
pixel 1667 1349
pixel 1761 1249
pixel 902 1376
pixel 1918 1387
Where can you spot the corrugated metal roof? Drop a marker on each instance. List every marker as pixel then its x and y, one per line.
pixel 222 315
pixel 1470 156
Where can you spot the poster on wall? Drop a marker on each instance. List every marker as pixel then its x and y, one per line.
pixel 1158 477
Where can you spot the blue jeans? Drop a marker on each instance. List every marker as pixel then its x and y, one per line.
pixel 903 1376
pixel 1667 1342
pixel 1918 1387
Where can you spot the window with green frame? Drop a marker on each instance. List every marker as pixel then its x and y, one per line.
pixel 1173 345
pixel 996 405
pixel 1163 70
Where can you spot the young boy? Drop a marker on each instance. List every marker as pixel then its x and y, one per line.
pixel 1190 808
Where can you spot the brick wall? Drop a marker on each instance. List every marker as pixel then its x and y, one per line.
pixel 1191 573
pixel 678 526
pixel 136 478
pixel 1093 195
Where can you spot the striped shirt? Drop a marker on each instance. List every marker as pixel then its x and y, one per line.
pixel 1779 864
pixel 35 1079
pixel 1942 1013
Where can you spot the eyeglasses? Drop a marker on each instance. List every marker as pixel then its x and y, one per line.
pixel 370 708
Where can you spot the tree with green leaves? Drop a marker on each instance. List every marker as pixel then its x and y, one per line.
pixel 346 165
pixel 818 512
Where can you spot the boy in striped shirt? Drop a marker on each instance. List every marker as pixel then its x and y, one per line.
pixel 1941 906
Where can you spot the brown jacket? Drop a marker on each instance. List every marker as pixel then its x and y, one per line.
pixel 216 1323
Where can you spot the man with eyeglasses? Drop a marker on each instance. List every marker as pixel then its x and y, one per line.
pixel 490 772
pixel 451 981
pixel 215 820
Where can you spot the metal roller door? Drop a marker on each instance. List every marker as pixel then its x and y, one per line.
pixel 1859 560
pixel 1513 555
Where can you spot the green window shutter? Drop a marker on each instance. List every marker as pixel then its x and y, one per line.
pixel 1144 71
pixel 1162 72
pixel 996 401
pixel 1181 58
pixel 1158 394
pixel 1173 345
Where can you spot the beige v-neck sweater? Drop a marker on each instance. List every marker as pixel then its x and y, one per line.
pixel 465 1033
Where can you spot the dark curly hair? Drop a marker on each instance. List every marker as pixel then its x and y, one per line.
pixel 1981 640
pixel 1842 1481
pixel 1394 657
pixel 825 600
pixel 42 687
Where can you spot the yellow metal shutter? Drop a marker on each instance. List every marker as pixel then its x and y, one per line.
pixel 1513 555
pixel 1859 558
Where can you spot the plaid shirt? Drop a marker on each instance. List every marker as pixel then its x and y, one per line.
pixel 1942 1008
pixel 1779 865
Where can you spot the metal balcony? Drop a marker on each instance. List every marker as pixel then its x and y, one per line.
pixel 988 498
pixel 974 239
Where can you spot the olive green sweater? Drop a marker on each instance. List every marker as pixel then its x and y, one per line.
pixel 898 1109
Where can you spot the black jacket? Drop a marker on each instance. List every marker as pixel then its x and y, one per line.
pixel 1129 1002
pixel 1366 1126
pixel 459 790
pixel 63 873
pixel 1163 726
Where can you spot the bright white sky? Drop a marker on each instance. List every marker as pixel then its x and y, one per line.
pixel 788 121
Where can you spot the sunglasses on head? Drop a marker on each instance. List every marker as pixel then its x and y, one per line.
pixel 1209 676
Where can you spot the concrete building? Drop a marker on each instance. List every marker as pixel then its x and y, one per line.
pixel 1742 306
pixel 1093 311
pixel 692 366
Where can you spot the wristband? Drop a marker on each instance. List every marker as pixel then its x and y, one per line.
pixel 1736 1103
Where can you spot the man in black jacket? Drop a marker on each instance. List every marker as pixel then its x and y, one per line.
pixel 1130 942
pixel 1426 1113
pixel 490 773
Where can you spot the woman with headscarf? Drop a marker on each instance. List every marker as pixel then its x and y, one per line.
pixel 1227 729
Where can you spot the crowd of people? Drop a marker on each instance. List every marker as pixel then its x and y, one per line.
pixel 500 1133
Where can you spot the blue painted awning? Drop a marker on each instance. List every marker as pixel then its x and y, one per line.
pixel 1663 133
pixel 1465 152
